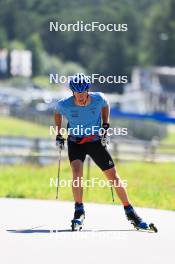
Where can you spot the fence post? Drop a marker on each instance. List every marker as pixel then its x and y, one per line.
pixel 35 152
pixel 154 144
pixel 116 152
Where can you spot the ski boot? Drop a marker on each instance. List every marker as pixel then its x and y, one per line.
pixel 79 216
pixel 136 221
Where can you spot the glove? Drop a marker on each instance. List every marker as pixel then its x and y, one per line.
pixel 60 141
pixel 105 126
pixel 105 138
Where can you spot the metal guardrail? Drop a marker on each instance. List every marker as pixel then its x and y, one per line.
pixel 43 151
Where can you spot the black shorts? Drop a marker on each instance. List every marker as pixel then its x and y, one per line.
pixel 95 150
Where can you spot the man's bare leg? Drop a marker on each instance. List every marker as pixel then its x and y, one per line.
pixel 116 181
pixel 77 173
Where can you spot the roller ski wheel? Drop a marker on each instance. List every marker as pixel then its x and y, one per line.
pixel 77 224
pixel 150 227
pixel 153 227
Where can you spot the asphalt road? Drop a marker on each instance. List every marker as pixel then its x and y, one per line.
pixel 34 232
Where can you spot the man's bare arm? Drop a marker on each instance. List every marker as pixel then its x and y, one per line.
pixel 58 121
pixel 105 114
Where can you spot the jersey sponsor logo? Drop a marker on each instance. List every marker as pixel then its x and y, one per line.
pixel 74 113
pixel 110 162
pixel 93 109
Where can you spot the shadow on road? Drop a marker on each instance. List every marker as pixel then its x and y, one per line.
pixel 29 231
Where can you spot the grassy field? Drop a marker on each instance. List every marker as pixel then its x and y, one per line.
pixel 170 139
pixel 149 185
pixel 16 127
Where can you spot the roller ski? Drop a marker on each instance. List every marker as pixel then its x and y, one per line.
pixel 137 222
pixel 79 216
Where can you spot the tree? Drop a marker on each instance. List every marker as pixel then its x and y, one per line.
pixel 3 38
pixel 34 44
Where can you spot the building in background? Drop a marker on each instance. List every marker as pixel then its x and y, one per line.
pixel 152 90
pixel 21 63
pixel 3 63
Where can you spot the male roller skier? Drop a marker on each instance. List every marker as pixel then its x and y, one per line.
pixel 89 109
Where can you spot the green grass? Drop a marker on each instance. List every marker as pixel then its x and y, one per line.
pixel 16 127
pixel 149 185
pixel 170 139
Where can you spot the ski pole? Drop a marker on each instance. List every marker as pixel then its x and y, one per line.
pixel 58 177
pixel 112 193
pixel 88 171
pixel 105 142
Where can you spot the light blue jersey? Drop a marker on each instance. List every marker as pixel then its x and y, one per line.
pixel 83 121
